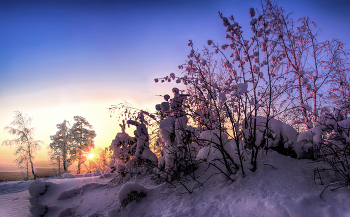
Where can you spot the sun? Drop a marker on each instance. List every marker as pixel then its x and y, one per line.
pixel 91 156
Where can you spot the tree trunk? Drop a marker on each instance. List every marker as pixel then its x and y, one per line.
pixel 27 175
pixel 59 165
pixel 31 162
pixel 79 163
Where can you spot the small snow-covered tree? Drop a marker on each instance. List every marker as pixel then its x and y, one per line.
pixel 60 145
pixel 123 148
pixel 81 138
pixel 26 146
pixel 142 150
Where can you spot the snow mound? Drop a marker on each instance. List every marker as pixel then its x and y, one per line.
pixel 86 175
pixel 71 193
pixel 38 210
pixel 107 175
pixel 37 188
pixel 13 187
pixel 129 192
pixel 68 175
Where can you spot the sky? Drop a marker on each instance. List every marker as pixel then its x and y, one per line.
pixel 64 58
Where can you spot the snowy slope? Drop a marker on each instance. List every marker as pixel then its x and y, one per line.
pixel 282 186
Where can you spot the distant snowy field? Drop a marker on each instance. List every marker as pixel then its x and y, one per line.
pixel 282 186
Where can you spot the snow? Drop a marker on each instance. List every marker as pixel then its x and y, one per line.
pixel 282 186
pixel 68 175
pixel 37 188
pixel 211 152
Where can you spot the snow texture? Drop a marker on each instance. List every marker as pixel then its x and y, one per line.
pixel 287 189
pixel 68 176
pixel 71 193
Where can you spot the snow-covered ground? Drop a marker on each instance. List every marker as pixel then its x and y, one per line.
pixel 282 186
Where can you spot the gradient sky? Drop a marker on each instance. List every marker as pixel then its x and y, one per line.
pixel 66 58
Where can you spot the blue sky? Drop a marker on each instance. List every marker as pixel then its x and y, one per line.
pixel 64 58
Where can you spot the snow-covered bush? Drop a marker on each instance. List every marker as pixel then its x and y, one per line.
pixel 132 155
pixel 272 134
pixel 123 149
pixel 129 192
pixel 178 155
pixel 226 88
pixel 331 142
pixel 142 152
pixel 217 147
pixel 236 104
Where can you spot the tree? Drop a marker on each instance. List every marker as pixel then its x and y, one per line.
pixel 314 69
pixel 26 146
pixel 82 140
pixel 60 145
pixel 101 160
pixel 55 162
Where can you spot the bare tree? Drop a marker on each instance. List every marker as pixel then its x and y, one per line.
pixel 26 146
pixel 312 66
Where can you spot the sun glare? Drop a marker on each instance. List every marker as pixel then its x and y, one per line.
pixel 91 156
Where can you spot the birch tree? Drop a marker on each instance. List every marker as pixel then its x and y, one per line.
pixel 26 146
